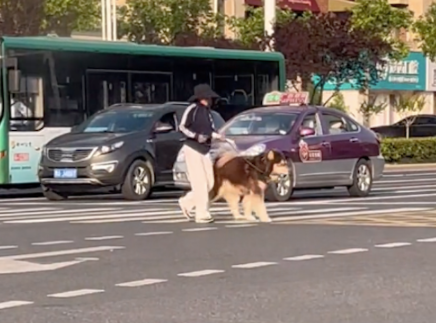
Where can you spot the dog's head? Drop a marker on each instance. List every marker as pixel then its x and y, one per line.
pixel 276 165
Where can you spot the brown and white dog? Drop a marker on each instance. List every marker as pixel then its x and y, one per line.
pixel 244 177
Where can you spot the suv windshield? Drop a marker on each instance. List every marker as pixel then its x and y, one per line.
pixel 260 124
pixel 117 121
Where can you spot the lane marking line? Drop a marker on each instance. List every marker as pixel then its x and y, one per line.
pixel 200 229
pixel 241 225
pixel 427 240
pixel 255 265
pixel 303 257
pixel 11 304
pixel 104 238
pixel 201 273
pixel 393 245
pixel 157 233
pixel 347 251
pixel 76 293
pixel 143 282
pixel 344 214
pixel 61 252
pixel 8 247
pixel 51 243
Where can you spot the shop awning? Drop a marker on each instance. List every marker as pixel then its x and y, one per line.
pixel 340 5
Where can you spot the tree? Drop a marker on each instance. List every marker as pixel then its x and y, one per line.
pixel 338 102
pixel 425 28
pixel 250 31
pixel 21 17
pixel 328 47
pixel 371 107
pixel 163 21
pixel 379 18
pixel 33 17
pixel 409 103
pixel 62 17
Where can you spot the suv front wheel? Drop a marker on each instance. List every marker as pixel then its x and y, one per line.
pixel 137 182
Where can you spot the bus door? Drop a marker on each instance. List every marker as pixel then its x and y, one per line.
pixel 104 89
pixel 26 135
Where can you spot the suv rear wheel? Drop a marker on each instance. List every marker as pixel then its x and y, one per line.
pixel 137 182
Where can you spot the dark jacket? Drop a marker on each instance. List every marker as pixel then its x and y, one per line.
pixel 197 120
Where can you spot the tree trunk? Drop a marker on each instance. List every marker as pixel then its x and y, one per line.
pixel 407 131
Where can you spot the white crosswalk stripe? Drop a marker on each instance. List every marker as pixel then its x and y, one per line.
pixel 279 212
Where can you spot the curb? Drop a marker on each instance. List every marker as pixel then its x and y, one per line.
pixel 430 166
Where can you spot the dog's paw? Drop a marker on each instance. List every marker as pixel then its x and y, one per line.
pixel 239 218
pixel 268 220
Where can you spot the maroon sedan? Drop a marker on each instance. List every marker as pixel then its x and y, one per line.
pixel 325 147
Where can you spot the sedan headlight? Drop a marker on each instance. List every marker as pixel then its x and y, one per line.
pixel 254 150
pixel 180 157
pixel 109 148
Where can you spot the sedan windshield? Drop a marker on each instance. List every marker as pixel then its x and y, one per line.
pixel 260 124
pixel 118 121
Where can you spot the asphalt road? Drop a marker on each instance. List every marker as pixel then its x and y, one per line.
pixel 326 257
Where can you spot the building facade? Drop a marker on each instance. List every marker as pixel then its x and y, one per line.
pixel 415 74
pixel 409 76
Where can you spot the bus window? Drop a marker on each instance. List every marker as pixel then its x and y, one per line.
pixel 26 105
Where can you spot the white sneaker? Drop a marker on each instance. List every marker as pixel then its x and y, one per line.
pixel 205 220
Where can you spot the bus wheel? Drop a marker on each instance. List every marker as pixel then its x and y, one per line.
pixel 138 181
pixel 53 195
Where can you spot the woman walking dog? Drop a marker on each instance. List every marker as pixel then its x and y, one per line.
pixel 197 126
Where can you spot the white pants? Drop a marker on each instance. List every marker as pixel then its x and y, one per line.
pixel 200 176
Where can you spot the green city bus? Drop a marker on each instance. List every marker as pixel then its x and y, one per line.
pixel 50 84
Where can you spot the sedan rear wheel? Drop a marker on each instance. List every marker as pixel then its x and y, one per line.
pixel 362 179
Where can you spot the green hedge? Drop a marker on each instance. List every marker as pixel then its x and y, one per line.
pixel 414 150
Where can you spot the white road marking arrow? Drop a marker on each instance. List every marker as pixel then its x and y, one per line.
pixel 10 266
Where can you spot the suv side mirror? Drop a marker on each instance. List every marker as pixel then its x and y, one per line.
pixel 306 131
pixel 163 128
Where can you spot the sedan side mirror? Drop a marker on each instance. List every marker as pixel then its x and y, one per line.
pixel 306 131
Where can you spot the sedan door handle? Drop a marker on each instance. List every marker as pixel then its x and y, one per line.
pixel 325 143
pixel 354 140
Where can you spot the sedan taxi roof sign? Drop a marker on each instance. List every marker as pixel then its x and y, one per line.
pixel 286 98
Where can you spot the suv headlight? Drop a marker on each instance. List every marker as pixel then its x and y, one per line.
pixel 109 148
pixel 254 150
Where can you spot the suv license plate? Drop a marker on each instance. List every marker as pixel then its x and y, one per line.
pixel 65 173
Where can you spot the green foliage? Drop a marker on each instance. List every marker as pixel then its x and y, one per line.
pixel 64 16
pixel 250 30
pixel 402 150
pixel 379 18
pixel 425 29
pixel 338 102
pixel 162 21
pixel 409 104
pixel 39 17
pixel 327 46
pixel 371 107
